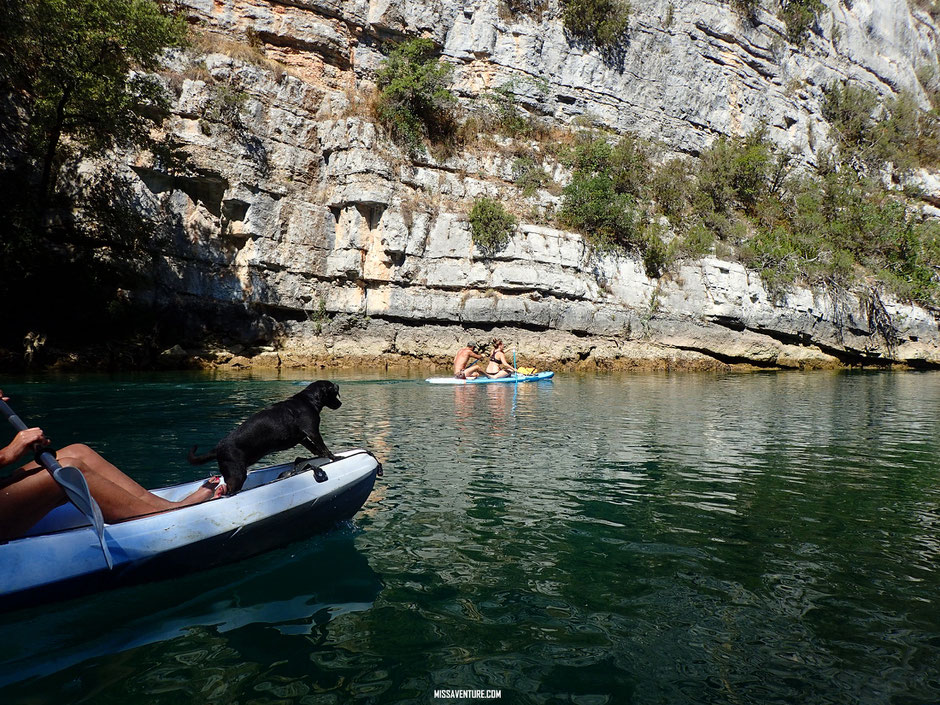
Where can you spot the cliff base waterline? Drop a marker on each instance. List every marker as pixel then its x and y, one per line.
pixel 379 345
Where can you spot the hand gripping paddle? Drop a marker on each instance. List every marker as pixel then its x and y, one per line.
pixel 71 480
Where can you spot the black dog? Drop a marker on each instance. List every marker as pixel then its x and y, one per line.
pixel 278 427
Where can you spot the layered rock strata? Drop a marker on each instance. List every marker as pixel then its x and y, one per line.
pixel 297 207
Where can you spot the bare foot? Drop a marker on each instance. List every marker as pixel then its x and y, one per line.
pixel 213 488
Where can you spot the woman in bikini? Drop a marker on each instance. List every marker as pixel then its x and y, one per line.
pixel 28 494
pixel 498 366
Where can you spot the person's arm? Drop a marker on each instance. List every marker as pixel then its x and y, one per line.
pixel 504 363
pixel 23 441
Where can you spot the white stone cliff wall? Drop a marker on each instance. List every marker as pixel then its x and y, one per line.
pixel 302 209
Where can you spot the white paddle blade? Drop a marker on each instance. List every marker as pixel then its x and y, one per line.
pixel 75 485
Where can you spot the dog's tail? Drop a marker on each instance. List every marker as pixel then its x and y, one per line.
pixel 200 459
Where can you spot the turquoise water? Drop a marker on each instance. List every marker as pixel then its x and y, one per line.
pixel 757 538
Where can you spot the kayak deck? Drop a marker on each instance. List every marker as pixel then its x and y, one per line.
pixel 60 556
pixel 483 379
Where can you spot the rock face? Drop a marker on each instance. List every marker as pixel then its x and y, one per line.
pixel 295 206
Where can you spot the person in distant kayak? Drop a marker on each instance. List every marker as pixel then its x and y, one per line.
pixel 463 370
pixel 28 494
pixel 498 366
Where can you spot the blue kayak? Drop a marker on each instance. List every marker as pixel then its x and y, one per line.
pixel 60 557
pixel 483 379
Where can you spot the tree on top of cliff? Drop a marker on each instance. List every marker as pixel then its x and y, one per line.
pixel 77 72
pixel 78 63
pixel 415 102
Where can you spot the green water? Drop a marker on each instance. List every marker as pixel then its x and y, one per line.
pixel 759 538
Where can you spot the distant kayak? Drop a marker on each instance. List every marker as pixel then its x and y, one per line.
pixel 60 556
pixel 483 379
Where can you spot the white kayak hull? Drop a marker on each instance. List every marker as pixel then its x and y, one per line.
pixel 61 556
pixel 483 379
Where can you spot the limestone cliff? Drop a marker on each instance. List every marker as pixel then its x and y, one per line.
pixel 296 205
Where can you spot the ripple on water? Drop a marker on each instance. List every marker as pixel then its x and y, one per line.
pixel 766 538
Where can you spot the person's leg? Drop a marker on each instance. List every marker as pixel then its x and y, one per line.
pixel 89 461
pixel 117 504
pixel 117 494
pixel 25 498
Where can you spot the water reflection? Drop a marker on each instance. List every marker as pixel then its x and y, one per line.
pixel 292 592
pixel 764 538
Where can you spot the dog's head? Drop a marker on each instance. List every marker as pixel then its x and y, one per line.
pixel 323 393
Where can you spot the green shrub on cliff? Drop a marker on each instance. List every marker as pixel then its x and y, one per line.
pixel 871 133
pixel 491 225
pixel 799 16
pixel 529 175
pixel 671 187
pixel 829 228
pixel 746 7
pixel 592 206
pixel 602 199
pixel 603 23
pixel 743 198
pixel 739 173
pixel 630 165
pixel 509 119
pixel 226 105
pixel 627 163
pixel 415 103
pixel 615 194
pixel 851 111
